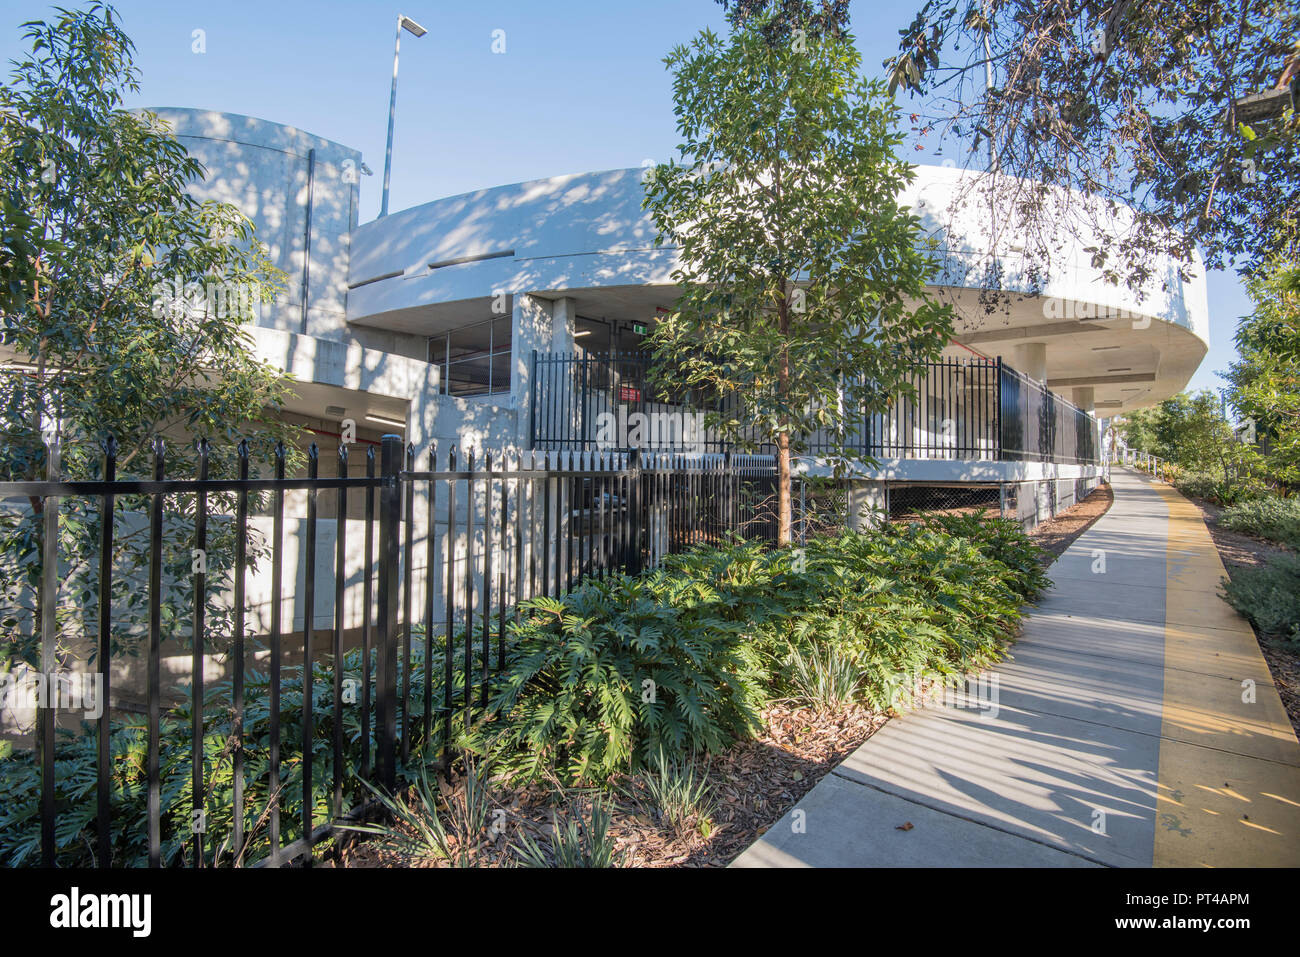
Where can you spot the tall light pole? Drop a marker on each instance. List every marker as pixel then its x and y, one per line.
pixel 403 23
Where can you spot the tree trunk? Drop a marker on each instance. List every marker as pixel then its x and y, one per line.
pixel 785 507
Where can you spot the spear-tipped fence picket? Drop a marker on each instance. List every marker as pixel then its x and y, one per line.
pixel 498 530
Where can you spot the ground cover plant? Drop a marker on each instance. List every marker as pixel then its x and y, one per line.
pixel 628 678
pixel 1222 491
pixel 1276 519
pixel 1269 596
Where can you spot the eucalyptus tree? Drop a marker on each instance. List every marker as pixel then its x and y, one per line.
pixel 124 303
pixel 802 280
pixel 1184 112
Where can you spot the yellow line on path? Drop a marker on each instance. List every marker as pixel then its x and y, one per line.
pixel 1229 772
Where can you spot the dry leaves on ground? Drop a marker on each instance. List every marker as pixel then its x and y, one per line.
pixel 753 784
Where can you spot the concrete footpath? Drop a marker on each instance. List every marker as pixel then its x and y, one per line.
pixel 1136 725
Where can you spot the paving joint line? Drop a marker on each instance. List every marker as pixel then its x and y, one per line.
pixel 978 823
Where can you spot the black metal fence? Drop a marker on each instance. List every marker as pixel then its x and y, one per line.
pixel 449 552
pixel 963 409
pixel 588 401
pixel 952 414
pixel 1037 425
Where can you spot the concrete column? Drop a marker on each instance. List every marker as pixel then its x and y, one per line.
pixel 868 505
pixel 564 321
pixel 1084 399
pixel 533 330
pixel 1030 358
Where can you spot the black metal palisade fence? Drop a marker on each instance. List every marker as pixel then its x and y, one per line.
pixel 497 531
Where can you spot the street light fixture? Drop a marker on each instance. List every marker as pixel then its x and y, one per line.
pixel 403 23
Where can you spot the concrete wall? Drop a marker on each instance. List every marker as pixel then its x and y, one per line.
pixel 300 191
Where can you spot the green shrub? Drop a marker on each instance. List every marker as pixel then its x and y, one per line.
pixel 76 780
pixel 1198 485
pixel 619 669
pixel 1220 491
pixel 854 617
pixel 905 604
pixel 1276 519
pixel 1004 541
pixel 1269 596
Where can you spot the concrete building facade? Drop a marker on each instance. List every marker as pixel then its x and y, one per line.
pixel 426 322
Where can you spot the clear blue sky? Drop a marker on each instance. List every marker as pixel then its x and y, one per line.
pixel 581 86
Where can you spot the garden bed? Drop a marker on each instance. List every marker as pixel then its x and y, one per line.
pixel 1058 534
pixel 1238 551
pixel 753 782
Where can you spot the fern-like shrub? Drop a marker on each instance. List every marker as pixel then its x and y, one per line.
pixel 1003 541
pixel 680 660
pixel 904 605
pixel 609 675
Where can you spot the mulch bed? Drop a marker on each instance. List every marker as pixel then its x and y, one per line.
pixel 754 782
pixel 1238 551
pixel 1055 536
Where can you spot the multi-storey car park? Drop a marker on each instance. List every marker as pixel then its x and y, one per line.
pixel 511 317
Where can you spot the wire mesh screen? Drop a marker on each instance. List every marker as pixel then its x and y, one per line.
pixel 910 502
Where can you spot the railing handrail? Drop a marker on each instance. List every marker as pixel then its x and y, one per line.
pixel 1043 387
pixel 562 410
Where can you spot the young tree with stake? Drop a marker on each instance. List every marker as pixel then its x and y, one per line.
pixel 802 280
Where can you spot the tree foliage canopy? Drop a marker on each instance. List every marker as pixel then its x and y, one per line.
pixel 779 19
pixel 1190 430
pixel 1128 103
pixel 124 304
pixel 803 282
pixel 125 298
pixel 1265 380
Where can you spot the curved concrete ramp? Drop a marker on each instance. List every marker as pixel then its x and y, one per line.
pixel 1136 725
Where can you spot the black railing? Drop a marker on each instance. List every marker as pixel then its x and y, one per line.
pixel 952 413
pixel 584 401
pixel 1037 425
pixel 965 409
pixel 413 664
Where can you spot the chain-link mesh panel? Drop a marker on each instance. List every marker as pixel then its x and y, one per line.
pixel 909 502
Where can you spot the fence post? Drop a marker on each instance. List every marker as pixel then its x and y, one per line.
pixel 48 701
pixel 997 414
pixel 634 512
pixel 386 625
pixel 728 502
pixel 532 402
pixel 582 409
